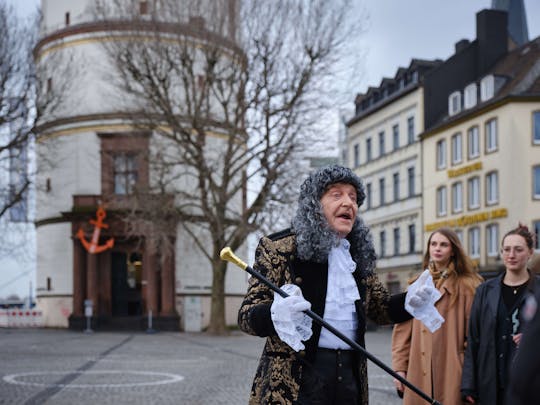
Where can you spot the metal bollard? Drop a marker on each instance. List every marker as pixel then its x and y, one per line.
pixel 150 329
pixel 88 314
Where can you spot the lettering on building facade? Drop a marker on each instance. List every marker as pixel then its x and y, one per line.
pixel 465 220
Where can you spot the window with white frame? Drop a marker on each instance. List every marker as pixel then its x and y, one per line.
pixel 459 234
pixel 410 181
pixel 368 196
pixel 381 143
pixel 410 130
pixel 441 201
pixel 395 186
pixel 441 154
pixel 473 191
pixel 492 141
pixel 457 197
pixel 492 240
pixel 356 155
pixel 473 142
pixel 397 241
pixel 492 188
pixel 368 150
pixel 382 243
pixel 382 197
pixel 457 149
pixel 454 103
pixel 474 242
pixel 536 127
pixel 470 96
pixel 487 88
pixel 395 137
pixel 536 182
pixel 412 238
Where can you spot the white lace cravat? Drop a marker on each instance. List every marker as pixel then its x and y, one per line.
pixel 341 293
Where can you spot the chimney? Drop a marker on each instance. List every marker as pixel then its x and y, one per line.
pixel 492 37
pixel 461 45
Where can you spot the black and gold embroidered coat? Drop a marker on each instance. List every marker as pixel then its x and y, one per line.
pixel 279 374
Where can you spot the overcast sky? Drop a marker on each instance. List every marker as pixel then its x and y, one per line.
pixel 396 31
pixel 400 30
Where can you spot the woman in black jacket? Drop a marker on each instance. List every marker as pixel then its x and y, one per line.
pixel 495 322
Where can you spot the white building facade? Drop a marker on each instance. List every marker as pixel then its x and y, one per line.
pixel 385 151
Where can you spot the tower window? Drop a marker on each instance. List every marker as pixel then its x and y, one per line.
pixel 125 173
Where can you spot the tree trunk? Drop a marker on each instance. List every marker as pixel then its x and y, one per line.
pixel 217 310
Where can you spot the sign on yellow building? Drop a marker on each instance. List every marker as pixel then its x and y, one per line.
pixel 465 220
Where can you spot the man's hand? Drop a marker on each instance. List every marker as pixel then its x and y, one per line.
pixel 420 302
pixel 290 322
pixel 422 296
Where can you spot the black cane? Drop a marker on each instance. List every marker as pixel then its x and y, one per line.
pixel 228 255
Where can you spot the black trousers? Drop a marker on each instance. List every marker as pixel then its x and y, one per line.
pixel 330 380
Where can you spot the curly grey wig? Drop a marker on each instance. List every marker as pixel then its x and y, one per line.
pixel 314 236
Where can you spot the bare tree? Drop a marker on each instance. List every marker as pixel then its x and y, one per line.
pixel 234 96
pixel 25 97
pixel 16 102
pixel 17 117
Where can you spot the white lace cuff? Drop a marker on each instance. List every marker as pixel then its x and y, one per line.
pixel 290 322
pixel 420 301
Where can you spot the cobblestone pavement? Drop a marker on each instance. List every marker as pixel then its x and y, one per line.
pixel 43 366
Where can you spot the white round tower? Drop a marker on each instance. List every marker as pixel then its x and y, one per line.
pixel 95 156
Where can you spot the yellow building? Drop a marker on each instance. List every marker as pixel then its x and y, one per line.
pixel 453 143
pixel 481 158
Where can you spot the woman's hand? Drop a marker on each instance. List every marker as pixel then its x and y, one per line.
pixel 517 338
pixel 398 384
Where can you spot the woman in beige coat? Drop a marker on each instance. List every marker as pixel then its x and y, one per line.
pixel 433 361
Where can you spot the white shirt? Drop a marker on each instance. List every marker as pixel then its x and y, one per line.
pixel 341 293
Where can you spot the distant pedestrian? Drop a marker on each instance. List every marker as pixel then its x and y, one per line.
pixel 495 324
pixel 433 361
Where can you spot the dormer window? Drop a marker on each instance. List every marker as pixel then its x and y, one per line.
pixel 487 88
pixel 454 103
pixel 470 95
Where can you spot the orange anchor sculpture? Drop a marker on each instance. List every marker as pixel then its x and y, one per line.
pixel 92 246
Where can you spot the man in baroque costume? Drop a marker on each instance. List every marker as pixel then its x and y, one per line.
pixel 325 262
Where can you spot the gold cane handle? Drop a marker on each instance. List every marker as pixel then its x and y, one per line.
pixel 228 255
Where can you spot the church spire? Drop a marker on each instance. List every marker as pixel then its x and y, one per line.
pixel 517 19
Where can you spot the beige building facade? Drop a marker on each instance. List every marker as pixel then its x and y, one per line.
pixel 474 151
pixel 484 177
